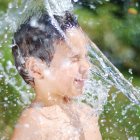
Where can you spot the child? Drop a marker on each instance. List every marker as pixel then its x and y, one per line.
pixel 56 67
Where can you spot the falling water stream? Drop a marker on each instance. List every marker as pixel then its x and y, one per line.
pixel 103 75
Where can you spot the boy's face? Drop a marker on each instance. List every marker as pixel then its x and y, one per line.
pixel 68 69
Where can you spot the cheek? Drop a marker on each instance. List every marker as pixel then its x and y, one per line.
pixel 65 64
pixel 49 74
pixel 69 69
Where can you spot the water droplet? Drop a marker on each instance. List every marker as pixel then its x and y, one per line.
pixel 10 5
pixel 26 125
pixel 5 105
pixel 5 36
pixel 102 121
pixel 6 98
pixel 1 76
pixel 137 4
pixel 34 23
pixel 75 0
pixel 130 71
pixel 131 79
pixel 92 6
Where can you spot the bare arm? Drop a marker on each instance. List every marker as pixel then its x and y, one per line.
pixel 27 127
pixel 93 130
pixel 90 123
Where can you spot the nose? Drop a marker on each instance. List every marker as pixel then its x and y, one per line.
pixel 84 67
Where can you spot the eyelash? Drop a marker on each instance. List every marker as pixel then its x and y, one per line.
pixel 75 59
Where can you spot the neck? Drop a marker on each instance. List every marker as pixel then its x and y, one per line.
pixel 49 99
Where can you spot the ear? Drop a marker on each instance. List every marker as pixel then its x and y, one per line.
pixel 35 67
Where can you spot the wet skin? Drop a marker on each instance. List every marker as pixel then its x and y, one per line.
pixel 53 115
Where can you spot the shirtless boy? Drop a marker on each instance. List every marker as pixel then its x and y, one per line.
pixel 56 69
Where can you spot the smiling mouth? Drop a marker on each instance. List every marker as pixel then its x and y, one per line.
pixel 79 82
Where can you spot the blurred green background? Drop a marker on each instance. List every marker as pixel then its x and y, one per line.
pixel 114 25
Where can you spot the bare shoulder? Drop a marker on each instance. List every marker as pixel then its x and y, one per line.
pixel 85 109
pixel 87 114
pixel 27 126
pixel 89 120
pixel 29 115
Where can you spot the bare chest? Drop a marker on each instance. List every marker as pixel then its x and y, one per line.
pixel 57 124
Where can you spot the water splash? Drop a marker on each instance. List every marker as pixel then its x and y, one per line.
pixel 103 73
pixel 102 76
pixel 111 75
pixel 9 24
pixel 26 8
pixel 58 7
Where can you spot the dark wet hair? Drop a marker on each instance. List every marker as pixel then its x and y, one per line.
pixel 36 37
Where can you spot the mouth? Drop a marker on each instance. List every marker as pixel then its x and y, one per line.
pixel 79 82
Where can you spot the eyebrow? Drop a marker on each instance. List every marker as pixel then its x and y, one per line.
pixel 78 54
pixel 75 55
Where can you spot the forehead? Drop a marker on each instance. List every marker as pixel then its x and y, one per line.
pixel 76 40
pixel 75 43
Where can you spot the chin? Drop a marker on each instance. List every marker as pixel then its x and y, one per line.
pixel 75 92
pixel 78 92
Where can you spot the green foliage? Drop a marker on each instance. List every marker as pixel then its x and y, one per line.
pixel 120 118
pixel 4 4
pixel 9 108
pixel 117 34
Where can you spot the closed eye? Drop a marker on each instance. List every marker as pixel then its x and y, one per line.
pixel 75 58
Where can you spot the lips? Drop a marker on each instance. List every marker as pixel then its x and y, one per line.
pixel 79 82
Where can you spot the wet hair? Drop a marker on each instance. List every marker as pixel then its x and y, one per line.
pixel 36 38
